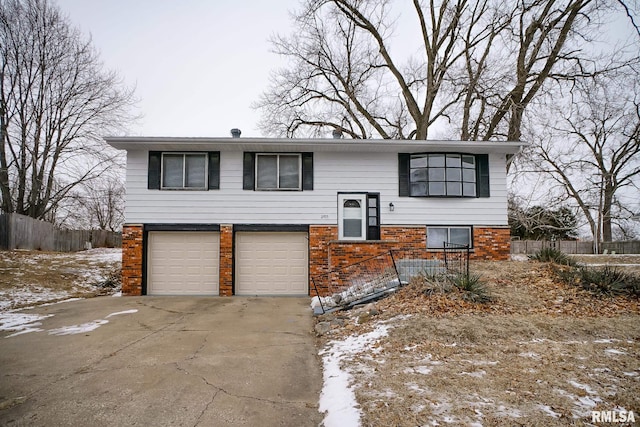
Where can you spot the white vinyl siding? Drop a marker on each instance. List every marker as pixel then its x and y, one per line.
pixel 333 173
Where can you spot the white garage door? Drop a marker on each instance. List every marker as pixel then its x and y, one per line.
pixel 183 263
pixel 272 263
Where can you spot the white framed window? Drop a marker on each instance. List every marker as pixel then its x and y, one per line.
pixel 278 172
pixel 352 216
pixel 442 175
pixel 438 236
pixel 184 171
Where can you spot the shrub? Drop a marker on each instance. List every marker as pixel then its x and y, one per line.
pixel 602 281
pixel 552 255
pixel 431 283
pixel 471 286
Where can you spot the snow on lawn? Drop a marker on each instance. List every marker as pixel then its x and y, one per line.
pixel 33 278
pixel 337 398
pixel 23 295
pixel 108 255
pixel 22 323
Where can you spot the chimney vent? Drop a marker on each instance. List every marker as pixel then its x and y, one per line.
pixel 337 134
pixel 235 132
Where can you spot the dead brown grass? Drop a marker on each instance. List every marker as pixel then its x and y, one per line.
pixel 542 353
pixel 69 275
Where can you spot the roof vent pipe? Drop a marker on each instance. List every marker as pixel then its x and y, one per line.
pixel 337 134
pixel 235 133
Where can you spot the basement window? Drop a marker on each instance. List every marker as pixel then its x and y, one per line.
pixel 438 236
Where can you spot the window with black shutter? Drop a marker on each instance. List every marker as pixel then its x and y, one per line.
pixel 443 175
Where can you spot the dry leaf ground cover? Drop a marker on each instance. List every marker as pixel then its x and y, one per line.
pixel 543 353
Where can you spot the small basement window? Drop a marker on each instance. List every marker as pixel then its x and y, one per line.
pixel 182 171
pixel 438 236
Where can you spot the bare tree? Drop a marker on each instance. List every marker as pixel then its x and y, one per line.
pixel 56 101
pixel 479 66
pixel 95 205
pixel 590 148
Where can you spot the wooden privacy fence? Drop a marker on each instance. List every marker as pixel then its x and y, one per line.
pixel 22 232
pixel 530 247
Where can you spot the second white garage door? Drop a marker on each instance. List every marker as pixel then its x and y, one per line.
pixel 183 263
pixel 272 263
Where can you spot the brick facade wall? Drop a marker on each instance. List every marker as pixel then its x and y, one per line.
pixel 491 243
pixel 326 252
pixel 226 260
pixel 319 238
pixel 132 260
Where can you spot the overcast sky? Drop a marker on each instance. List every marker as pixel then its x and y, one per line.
pixel 197 65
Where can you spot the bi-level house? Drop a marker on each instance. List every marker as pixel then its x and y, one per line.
pixel 261 216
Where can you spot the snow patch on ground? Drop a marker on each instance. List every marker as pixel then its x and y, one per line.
pixel 530 354
pixel 94 267
pixel 28 295
pixel 476 374
pixel 615 351
pixel 549 411
pixel 337 399
pixel 78 329
pixel 21 323
pixel 108 255
pixel 89 326
pixel 122 312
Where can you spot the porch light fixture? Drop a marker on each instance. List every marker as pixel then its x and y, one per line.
pixel 391 207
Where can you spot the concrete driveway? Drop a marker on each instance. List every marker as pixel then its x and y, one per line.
pixel 179 361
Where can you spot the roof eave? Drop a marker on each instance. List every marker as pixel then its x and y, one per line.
pixel 316 145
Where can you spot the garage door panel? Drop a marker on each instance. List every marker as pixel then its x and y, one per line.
pixel 272 263
pixel 183 263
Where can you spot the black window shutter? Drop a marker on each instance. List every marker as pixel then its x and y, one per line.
pixel 403 174
pixel 307 171
pixel 249 171
pixel 153 172
pixel 482 165
pixel 214 170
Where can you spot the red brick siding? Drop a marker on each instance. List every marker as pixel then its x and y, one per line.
pixel 491 243
pixel 327 252
pixel 319 238
pixel 132 260
pixel 226 260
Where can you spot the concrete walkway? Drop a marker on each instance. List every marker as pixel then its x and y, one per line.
pixel 179 361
